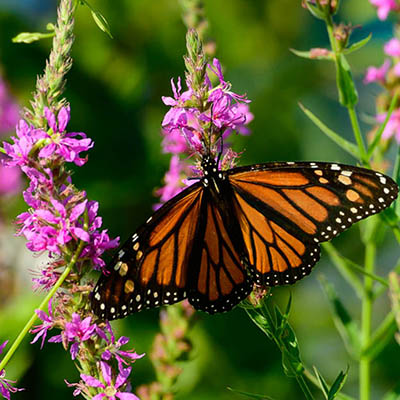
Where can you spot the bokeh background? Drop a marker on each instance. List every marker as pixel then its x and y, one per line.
pixel 115 89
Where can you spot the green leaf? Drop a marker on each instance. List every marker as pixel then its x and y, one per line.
pixel 30 37
pixel 346 326
pixel 348 95
pixel 288 306
pixel 379 132
pixel 323 385
pixel 251 395
pixel 356 46
pixel 351 148
pixel 309 55
pixel 315 11
pixel 102 23
pixel 351 264
pixel 99 19
pixel 291 360
pixel 338 384
pixel 260 321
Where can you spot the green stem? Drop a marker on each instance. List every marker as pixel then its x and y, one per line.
pixel 366 317
pixel 42 306
pixel 351 110
pixel 358 136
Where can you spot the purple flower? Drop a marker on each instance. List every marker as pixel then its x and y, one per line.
pixel 384 7
pixel 99 241
pixel 179 98
pixel 111 390
pixel 375 74
pixel 182 131
pixel 113 348
pixel 183 126
pixel 5 384
pixel 61 143
pixel 45 278
pixel 392 47
pixel 392 128
pixel 9 110
pixel 26 138
pixel 78 331
pixel 186 125
pixel 48 323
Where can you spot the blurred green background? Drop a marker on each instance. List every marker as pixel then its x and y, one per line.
pixel 115 89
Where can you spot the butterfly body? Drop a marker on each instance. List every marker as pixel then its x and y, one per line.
pixel 256 224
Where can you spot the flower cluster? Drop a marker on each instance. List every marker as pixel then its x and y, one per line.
pixel 60 217
pixel 387 74
pixel 58 213
pixel 81 333
pixel 199 120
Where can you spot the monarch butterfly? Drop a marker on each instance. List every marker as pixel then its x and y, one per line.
pixel 255 224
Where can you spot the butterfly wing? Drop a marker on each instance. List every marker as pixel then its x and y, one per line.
pixel 150 269
pixel 218 280
pixel 286 209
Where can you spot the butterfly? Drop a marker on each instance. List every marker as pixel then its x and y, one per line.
pixel 254 224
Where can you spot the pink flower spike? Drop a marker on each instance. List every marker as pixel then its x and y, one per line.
pixel 384 7
pixel 377 74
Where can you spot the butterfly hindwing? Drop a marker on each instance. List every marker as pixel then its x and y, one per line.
pixel 286 209
pixel 219 281
pixel 151 269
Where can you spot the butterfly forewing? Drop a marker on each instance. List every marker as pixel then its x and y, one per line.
pixel 286 209
pixel 151 269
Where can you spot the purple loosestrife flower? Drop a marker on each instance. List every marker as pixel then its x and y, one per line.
pixel 375 74
pixel 64 144
pixel 5 384
pixel 183 125
pixel 45 278
pixel 384 7
pixel 187 125
pixel 48 323
pixel 113 349
pixel 26 138
pixel 57 215
pixel 111 390
pixel 78 331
